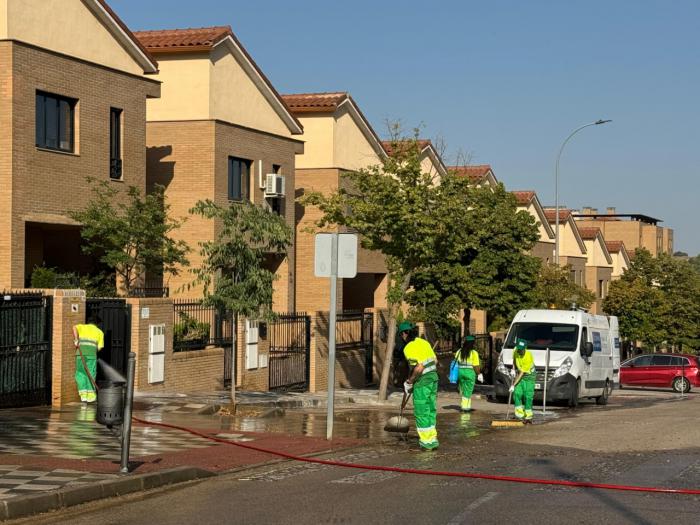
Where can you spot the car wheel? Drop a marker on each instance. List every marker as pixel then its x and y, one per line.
pixel 603 399
pixel 681 384
pixel 573 400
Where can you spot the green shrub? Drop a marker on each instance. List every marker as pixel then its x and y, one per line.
pixel 190 333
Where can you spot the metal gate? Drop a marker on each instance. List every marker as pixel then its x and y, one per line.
pixel 355 331
pixel 115 322
pixel 25 350
pixel 290 344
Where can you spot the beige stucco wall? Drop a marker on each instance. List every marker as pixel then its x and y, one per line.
pixel 578 265
pixel 67 27
pixel 212 86
pixel 619 265
pixel 351 149
pixel 318 141
pixel 235 98
pixel 532 210
pixel 185 88
pixel 595 274
pixel 568 244
pixel 595 253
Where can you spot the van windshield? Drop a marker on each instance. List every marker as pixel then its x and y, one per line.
pixel 540 336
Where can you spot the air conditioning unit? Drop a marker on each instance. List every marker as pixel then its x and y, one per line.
pixel 274 185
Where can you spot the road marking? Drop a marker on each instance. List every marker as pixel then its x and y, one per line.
pixel 462 516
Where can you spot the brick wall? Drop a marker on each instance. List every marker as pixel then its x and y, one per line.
pixel 63 387
pixel 47 184
pixel 191 160
pixel 6 93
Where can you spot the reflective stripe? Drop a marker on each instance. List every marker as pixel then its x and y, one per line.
pixel 431 368
pixel 426 429
pixel 465 366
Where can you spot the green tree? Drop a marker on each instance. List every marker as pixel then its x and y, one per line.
pixel 695 263
pixel 131 233
pixel 233 273
pixel 399 211
pixel 488 268
pixel 555 289
pixel 658 301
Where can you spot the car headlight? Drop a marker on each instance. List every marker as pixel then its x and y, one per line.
pixel 563 368
pixel 501 366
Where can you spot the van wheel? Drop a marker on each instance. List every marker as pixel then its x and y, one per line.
pixel 681 384
pixel 603 399
pixel 573 400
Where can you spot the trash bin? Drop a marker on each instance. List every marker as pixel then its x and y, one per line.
pixel 110 403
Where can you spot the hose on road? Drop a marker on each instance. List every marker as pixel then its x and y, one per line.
pixel 470 475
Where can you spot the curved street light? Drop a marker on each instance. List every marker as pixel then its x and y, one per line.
pixel 556 184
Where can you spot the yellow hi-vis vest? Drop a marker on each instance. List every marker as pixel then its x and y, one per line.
pixel 419 351
pixel 525 364
pixel 469 362
pixel 90 339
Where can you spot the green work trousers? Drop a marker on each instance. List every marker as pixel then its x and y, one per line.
pixel 466 382
pixel 425 409
pixel 523 396
pixel 85 388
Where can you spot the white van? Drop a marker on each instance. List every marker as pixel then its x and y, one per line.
pixel 584 354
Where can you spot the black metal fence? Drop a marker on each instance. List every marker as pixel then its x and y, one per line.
pixel 25 350
pixel 196 326
pixel 150 291
pixel 290 345
pixel 355 331
pixel 115 321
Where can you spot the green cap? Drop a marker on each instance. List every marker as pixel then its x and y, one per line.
pixel 521 344
pixel 470 338
pixel 405 326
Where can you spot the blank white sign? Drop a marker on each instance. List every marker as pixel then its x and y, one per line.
pixel 347 255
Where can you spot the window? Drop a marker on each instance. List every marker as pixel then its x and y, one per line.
pixel 572 277
pixel 679 361
pixel 661 360
pixel 54 122
pixel 645 360
pixel 601 288
pixel 277 205
pixel 115 143
pixel 541 336
pixel 238 179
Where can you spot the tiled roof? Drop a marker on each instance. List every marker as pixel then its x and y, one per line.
pixel 589 234
pixel 474 173
pixel 564 214
pixel 192 39
pixel 524 197
pixel 615 246
pixel 315 102
pixel 389 144
pixel 129 33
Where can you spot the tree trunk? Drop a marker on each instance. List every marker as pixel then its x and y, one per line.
pixel 467 321
pixel 391 340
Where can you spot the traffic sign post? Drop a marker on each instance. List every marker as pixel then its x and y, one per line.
pixel 335 256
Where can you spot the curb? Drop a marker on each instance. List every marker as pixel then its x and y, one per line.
pixel 29 505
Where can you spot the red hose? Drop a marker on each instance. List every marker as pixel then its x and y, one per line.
pixel 512 479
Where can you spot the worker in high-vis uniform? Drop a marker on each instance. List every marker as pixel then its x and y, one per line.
pixel 88 340
pixel 469 368
pixel 423 381
pixel 523 387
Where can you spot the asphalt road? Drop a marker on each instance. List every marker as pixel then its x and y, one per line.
pixel 631 442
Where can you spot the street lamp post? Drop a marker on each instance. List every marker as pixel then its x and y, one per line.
pixel 556 185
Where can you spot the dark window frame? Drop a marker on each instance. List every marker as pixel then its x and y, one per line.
pixel 241 192
pixel 44 132
pixel 115 143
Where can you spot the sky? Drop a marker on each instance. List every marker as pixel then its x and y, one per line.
pixel 503 82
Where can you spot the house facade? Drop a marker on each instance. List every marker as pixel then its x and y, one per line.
pixel 218 131
pixel 72 107
pixel 599 266
pixel 572 249
pixel 635 230
pixel 338 139
pixel 620 257
pixel 544 248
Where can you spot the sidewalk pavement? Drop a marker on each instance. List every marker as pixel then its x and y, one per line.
pixel 52 458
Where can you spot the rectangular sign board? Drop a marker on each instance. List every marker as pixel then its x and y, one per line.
pixel 347 255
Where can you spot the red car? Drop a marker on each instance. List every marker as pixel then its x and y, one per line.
pixel 679 371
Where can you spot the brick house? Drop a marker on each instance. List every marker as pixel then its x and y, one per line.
pixel 599 265
pixel 219 129
pixel 338 138
pixel 634 229
pixel 544 248
pixel 72 106
pixel 620 257
pixel 572 249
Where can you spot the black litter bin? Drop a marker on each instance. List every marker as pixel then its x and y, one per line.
pixel 110 403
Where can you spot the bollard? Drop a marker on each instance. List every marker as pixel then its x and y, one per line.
pixel 129 402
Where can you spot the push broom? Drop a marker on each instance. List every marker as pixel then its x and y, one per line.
pixel 505 423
